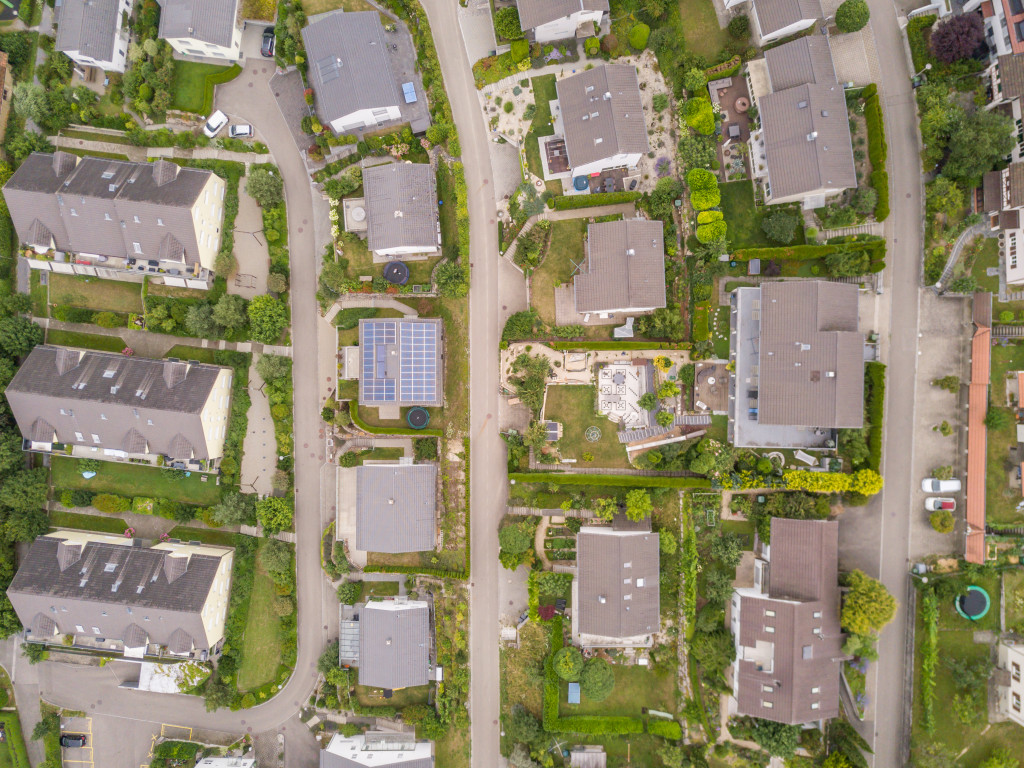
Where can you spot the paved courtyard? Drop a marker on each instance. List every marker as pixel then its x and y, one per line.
pixel 855 57
pixel 250 279
pixel 259 450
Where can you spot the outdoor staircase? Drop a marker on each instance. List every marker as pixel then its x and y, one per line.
pixel 1016 531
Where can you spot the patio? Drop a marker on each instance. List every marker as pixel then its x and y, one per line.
pixel 733 99
pixel 711 387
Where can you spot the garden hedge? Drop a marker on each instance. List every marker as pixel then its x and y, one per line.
pixel 880 181
pixel 874 407
pixel 707 233
pixel 571 202
pixel 929 659
pixel 441 573
pixel 563 346
pixel 875 248
pixel 878 149
pixel 667 729
pixel 353 409
pixel 621 481
pixel 215 79
pixel 706 217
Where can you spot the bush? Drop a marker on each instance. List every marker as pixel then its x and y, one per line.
pixel 708 233
pixel 568 663
pixel 880 181
pixel 592 46
pixel 706 217
pixel 597 679
pixel 957 37
pixel 506 24
pixel 264 185
pixel 780 226
pixel 571 202
pixel 942 521
pixel 739 27
pixel 111 503
pixel 638 36
pixel 852 15
pixel 700 116
pixel 667 729
pixel 520 51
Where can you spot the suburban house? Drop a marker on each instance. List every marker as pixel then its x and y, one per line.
pixel 1006 87
pixel 599 122
pixel 1007 677
pixel 202 28
pixel 381 749
pixel 401 363
pixel 6 92
pixel 775 19
pixel 394 644
pixel 616 589
pixel 1004 24
pixel 398 213
pixel 395 507
pixel 92 33
pixel 118 220
pixel 625 268
pixel 789 645
pixel 799 364
pixel 350 71
pixel 977 432
pixel 802 151
pixel 100 405
pixel 111 593
pixel 1002 201
pixel 548 20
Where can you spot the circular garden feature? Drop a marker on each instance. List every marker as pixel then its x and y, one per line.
pixel 973 604
pixel 417 417
pixel 396 273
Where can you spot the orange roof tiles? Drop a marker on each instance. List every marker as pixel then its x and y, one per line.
pixel 977 440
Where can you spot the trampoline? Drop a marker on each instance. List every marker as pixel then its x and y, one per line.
pixel 973 604
pixel 417 418
pixel 396 273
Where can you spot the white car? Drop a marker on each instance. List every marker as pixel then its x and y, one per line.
pixel 931 485
pixel 936 503
pixel 240 131
pixel 215 124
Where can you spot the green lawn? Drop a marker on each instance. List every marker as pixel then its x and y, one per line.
pixel 37 291
pixel 701 32
pixel 321 6
pixel 636 687
pixel 1000 499
pixel 565 249
pixel 403 697
pixel 743 529
pixel 379 589
pixel 720 332
pixel 136 480
pixel 205 535
pixel 543 94
pixel 93 293
pixel 100 523
pixel 989 257
pixel 199 354
pixel 85 340
pixel 950 620
pixel 744 218
pixel 190 85
pixel 1013 583
pixel 381 454
pixel 573 406
pixel 261 650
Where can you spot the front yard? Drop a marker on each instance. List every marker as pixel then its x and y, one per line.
pixel 261 651
pixel 93 293
pixel 136 480
pixel 701 32
pixel 573 406
pixel 564 252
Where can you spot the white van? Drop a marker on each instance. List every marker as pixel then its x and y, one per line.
pixel 215 124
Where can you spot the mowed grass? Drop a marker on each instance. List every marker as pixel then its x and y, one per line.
pixel 403 697
pixel 321 6
pixel 78 521
pixel 741 215
pixel 573 407
pixel 85 340
pixel 636 687
pixel 1013 585
pixel 989 257
pixel 564 250
pixel 93 293
pixel 261 648
pixel 379 589
pixel 701 32
pixel 190 84
pixel 543 94
pixel 136 480
pixel 1000 499
pixel 37 292
pixel 949 619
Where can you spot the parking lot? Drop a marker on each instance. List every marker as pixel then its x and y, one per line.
pixel 77 756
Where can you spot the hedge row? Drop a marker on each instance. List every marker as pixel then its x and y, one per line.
pixel 880 181
pixel 874 411
pixel 567 346
pixel 876 249
pixel 667 729
pixel 571 202
pixel 878 149
pixel 624 481
pixel 215 79
pixel 929 659
pixel 353 409
pixel 441 573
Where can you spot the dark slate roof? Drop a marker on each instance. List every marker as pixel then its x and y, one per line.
pixel 212 21
pixel 394 644
pixel 348 64
pixel 602 114
pixel 112 586
pixel 68 389
pixel 625 266
pixel 401 206
pixel 533 13
pixel 773 15
pixel 1011 75
pixel 395 507
pixel 804 60
pixel 89 26
pixel 618 574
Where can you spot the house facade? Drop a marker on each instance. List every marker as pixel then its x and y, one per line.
pixel 548 20
pixel 1003 206
pixel 1004 24
pixel 92 33
pixel 202 28
pixel 1008 685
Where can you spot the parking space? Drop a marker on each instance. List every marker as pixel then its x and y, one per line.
pixel 78 729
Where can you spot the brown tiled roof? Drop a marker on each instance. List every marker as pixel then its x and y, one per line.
pixel 1016 182
pixel 992 191
pixel 625 267
pixel 804 60
pixel 773 15
pixel 533 13
pixel 1011 75
pixel 618 582
pixel 977 433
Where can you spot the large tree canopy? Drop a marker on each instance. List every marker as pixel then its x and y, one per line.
pixel 957 37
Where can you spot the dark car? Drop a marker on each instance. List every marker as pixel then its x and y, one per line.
pixel 267 49
pixel 72 739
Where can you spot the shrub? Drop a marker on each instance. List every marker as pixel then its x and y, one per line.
pixel 111 503
pixel 852 15
pixel 638 36
pixel 506 24
pixel 570 202
pixel 880 181
pixel 957 37
pixel 568 663
pixel 706 217
pixel 708 233
pixel 942 520
pixel 780 226
pixel 597 679
pixel 592 46
pixel 739 27
pixel 520 51
pixel 667 729
pixel 700 116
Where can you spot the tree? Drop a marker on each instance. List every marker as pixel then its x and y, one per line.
pixel 26 524
pixel 981 141
pixel 727 549
pixel 268 317
pixel 668 389
pixel 847 262
pixel 199 321
pixel 604 507
pixel 638 36
pixel 272 368
pixel 714 651
pixel 853 445
pixel 349 592
pixel 866 482
pixel 11 455
pixel 235 508
pixel 958 37
pixel 942 520
pixel 700 116
pixel 520 758
pixel 521 727
pixel 597 679
pixel 780 226
pixel 664 418
pixel 274 513
pixel 1001 758
pixel 277 283
pixel 18 335
pixel 739 27
pixel 276 556
pixel 949 383
pixel 836 760
pixel 536 435
pixel 648 401
pixel 695 81
pixel 667 542
pixel 31 103
pixel 638 504
pixel 568 663
pixel 506 24
pixel 229 312
pixel 264 185
pixel 997 418
pixel 852 15
pixel 943 195
pixel 867 606
pixel 718 587
pixel 864 200
pixel 515 538
pixel 25 491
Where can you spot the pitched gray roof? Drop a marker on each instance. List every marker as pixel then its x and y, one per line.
pixel 533 13
pixel 602 114
pixel 618 582
pixel 395 507
pixel 111 587
pixel 212 21
pixel 1011 75
pixel 394 644
pixel 802 581
pixel 348 64
pixel 811 355
pixel 92 206
pixel 89 26
pixel 70 390
pixel 401 206
pixel 804 60
pixel 625 266
pixel 773 15
pixel 807 139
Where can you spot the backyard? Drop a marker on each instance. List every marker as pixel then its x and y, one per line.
pixel 701 32
pixel 404 697
pixel 85 340
pixel 321 6
pixel 573 408
pixel 93 293
pixel 136 480
pixel 564 252
pixel 1000 499
pixel 543 94
pixel 261 651
pixel 744 218
pixel 378 589
pixel 99 523
pixel 636 687
pixel 1013 586
pixel 988 258
pixel 190 84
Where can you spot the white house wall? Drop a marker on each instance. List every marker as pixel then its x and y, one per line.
pixel 559 29
pixel 190 47
pixel 615 161
pixel 365 118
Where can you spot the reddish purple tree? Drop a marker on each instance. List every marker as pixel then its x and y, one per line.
pixel 958 37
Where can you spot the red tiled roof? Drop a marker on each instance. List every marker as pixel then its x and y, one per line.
pixel 977 442
pixel 987 10
pixel 1017 45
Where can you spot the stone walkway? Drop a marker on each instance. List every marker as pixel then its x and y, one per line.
pixel 251 252
pixel 135 154
pixel 967 236
pixel 259 449
pixel 352 300
pixel 871 228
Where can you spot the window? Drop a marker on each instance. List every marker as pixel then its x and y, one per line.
pixel 96 630
pixel 79 628
pixel 109 373
pixel 74 212
pixel 64 412
pixel 136 219
pixel 106 217
pixel 817 614
pixel 159 222
pixel 766 689
pixel 766 704
pixel 79 437
pixel 1016 702
pixel 816 689
pixel 103 416
pixel 815 705
pixel 95 437
pixel 770 630
pixel 770 614
pixel 1016 671
pixel 817 630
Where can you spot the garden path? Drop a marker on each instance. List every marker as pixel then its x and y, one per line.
pixel 259 449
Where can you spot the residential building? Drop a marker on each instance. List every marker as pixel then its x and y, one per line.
pixel 92 33
pixel 1004 24
pixel 350 71
pixel 799 364
pixel 110 593
pixel 401 362
pixel 548 20
pixel 100 405
pixel 394 644
pixel 202 28
pixel 380 749
pixel 398 213
pixel 625 268
pixel 802 151
pixel 789 645
pixel 773 20
pixel 1002 201
pixel 615 593
pixel 118 220
pixel 6 92
pixel 1006 87
pixel 1008 686
pixel 599 121
pixel 977 432
pixel 227 762
pixel 395 507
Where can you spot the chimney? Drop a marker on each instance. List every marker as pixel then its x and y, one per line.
pixel 812 135
pixel 398 214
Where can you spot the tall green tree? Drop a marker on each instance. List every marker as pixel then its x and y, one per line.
pixel 981 141
pixel 867 606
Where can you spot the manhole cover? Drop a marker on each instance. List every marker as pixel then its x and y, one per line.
pixel 593 434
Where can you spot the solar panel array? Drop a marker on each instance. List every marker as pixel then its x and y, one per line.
pixel 418 361
pixel 374 385
pixel 418 353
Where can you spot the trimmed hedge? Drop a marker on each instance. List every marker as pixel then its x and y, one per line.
pixel 706 217
pixel 875 248
pixel 353 409
pixel 215 79
pixel 571 202
pixel 441 573
pixel 878 149
pixel 667 729
pixel 874 411
pixel 616 345
pixel 880 181
pixel 621 481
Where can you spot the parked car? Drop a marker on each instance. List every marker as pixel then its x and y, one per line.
pixel 240 132
pixel 935 503
pixel 931 485
pixel 267 49
pixel 72 739
pixel 215 124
